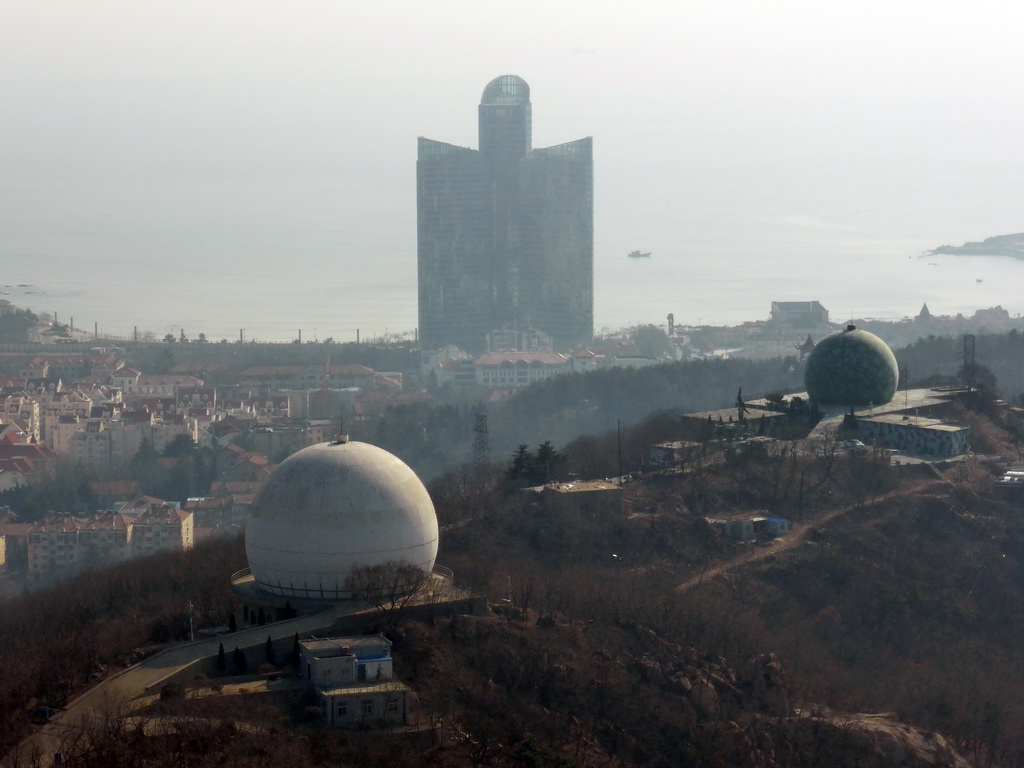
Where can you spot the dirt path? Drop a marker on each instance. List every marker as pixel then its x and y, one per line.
pixel 796 536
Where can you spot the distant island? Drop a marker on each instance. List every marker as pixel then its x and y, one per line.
pixel 1000 245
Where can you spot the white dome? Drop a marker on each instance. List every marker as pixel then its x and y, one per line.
pixel 332 508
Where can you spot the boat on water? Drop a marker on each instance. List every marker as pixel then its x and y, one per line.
pixel 639 255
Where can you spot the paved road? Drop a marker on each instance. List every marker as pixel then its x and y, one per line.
pixel 126 687
pixel 129 687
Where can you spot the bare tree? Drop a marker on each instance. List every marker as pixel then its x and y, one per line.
pixel 390 586
pixel 522 587
pixel 827 450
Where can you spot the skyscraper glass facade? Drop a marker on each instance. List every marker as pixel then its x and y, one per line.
pixel 506 232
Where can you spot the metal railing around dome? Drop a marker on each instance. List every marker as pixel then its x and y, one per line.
pixel 443 573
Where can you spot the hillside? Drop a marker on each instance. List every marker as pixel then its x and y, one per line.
pixel 1000 245
pixel 904 606
pixel 880 631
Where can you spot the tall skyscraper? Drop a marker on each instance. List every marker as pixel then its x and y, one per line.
pixel 506 232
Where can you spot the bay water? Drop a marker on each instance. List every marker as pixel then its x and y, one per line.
pixel 268 258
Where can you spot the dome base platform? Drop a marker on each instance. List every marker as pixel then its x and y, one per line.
pixel 260 606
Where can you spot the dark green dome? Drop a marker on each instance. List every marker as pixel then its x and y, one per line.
pixel 851 368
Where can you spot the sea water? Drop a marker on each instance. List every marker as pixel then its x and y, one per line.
pixel 271 258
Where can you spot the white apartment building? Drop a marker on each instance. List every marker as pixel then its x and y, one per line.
pixel 61 546
pixel 519 369
pixel 102 444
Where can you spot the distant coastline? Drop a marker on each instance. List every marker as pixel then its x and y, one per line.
pixel 1000 245
pixel 365 281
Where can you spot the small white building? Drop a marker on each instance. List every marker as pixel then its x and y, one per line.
pixel 916 434
pixel 594 498
pixel 743 528
pixel 519 369
pixel 354 680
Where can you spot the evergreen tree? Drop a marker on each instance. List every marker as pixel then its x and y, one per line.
pixel 222 663
pixel 143 468
pixel 238 661
pixel 180 447
pixel 232 623
pixel 522 464
pixel 14 327
pixel 651 341
pixel 270 652
pixel 548 463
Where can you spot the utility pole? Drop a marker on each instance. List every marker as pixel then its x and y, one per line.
pixel 618 446
pixel 969 371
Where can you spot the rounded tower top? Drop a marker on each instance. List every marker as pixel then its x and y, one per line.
pixel 506 120
pixel 506 89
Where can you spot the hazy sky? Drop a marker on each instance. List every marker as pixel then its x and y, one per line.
pixel 696 109
pixel 298 85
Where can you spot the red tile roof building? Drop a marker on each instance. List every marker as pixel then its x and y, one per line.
pixel 60 546
pixel 519 369
pixel 161 529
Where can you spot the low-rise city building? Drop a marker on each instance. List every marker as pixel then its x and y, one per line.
pixel 60 546
pixel 915 434
pixel 530 340
pixel 162 529
pixel 755 527
pixel 22 461
pixel 519 369
pixel 354 680
pixel 275 378
pixel 592 498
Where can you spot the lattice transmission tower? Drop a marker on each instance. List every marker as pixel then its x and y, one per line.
pixel 481 443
